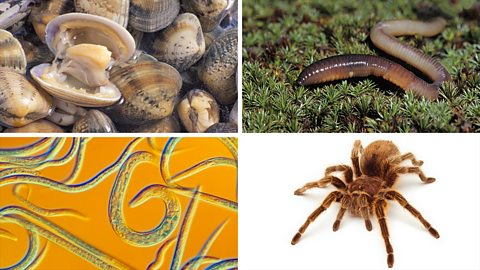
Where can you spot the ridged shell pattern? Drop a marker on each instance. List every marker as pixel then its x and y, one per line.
pixel 181 44
pixel 94 121
pixel 115 10
pixel 20 101
pixel 149 91
pixel 153 15
pixel 11 53
pixel 219 65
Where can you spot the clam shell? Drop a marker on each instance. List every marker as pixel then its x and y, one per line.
pixel 115 10
pixel 149 91
pixel 218 67
pixel 222 128
pixel 41 15
pixel 168 124
pixel 36 53
pixel 12 12
pixel 94 121
pixel 42 125
pixel 209 12
pixel 74 91
pixel 233 117
pixel 181 44
pixel 20 101
pixel 11 53
pixel 76 28
pixel 198 110
pixel 153 15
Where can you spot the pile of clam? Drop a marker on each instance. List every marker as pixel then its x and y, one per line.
pixel 118 66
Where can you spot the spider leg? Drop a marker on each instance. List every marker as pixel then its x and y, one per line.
pixel 345 201
pixel 333 196
pixel 394 195
pixel 347 172
pixel 407 156
pixel 416 170
pixel 364 211
pixel 322 183
pixel 356 152
pixel 379 206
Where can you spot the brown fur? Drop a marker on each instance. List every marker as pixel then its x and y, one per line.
pixel 367 187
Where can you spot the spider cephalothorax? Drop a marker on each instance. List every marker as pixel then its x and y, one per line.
pixel 367 186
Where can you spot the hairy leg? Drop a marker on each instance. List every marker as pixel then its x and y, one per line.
pixel 355 156
pixel 407 156
pixel 347 172
pixel 394 195
pixel 333 196
pixel 379 206
pixel 322 183
pixel 364 211
pixel 345 201
pixel 392 175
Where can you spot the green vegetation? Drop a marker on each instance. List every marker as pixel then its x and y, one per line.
pixel 282 38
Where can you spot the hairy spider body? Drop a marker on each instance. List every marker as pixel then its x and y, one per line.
pixel 366 187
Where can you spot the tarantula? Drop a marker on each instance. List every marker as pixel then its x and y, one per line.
pixel 367 187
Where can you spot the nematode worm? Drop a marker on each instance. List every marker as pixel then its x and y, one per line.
pixel 383 36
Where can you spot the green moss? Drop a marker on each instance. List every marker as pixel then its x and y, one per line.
pixel 282 38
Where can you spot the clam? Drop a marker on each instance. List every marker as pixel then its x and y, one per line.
pixel 115 10
pixel 11 53
pixel 36 53
pixel 222 128
pixel 209 12
pixel 181 44
pixel 149 91
pixel 218 67
pixel 85 46
pixel 153 15
pixel 41 125
pixel 233 117
pixel 47 11
pixel 20 101
pixel 12 13
pixel 94 121
pixel 168 124
pixel 198 110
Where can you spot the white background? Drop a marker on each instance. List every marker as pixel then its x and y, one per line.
pixel 272 167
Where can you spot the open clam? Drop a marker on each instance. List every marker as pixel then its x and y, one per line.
pixel 20 101
pixel 11 53
pixel 181 44
pixel 85 46
pixel 198 110
pixel 153 15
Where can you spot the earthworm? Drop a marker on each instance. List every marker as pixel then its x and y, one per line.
pixel 383 36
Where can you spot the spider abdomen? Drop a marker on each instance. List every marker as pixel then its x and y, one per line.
pixel 372 162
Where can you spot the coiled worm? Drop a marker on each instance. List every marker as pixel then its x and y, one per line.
pixel 383 36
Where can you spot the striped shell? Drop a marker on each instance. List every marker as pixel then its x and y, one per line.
pixel 168 124
pixel 181 44
pixel 153 15
pixel 20 101
pixel 11 53
pixel 222 128
pixel 209 12
pixel 115 10
pixel 218 68
pixel 42 125
pixel 149 91
pixel 94 121
pixel 198 110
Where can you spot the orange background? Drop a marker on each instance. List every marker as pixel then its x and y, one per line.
pixel 97 231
